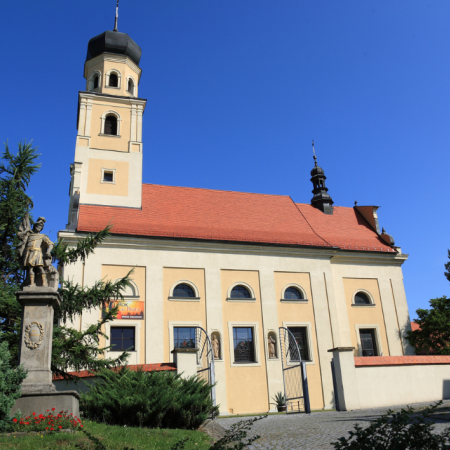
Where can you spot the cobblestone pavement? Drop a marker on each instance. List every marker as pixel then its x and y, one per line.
pixel 318 429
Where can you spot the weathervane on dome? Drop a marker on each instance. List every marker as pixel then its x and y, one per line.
pixel 117 16
pixel 314 153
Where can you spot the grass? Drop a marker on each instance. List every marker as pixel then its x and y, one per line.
pixel 110 437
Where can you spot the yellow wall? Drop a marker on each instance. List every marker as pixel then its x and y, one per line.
pixel 105 142
pixel 182 310
pixel 95 186
pixel 301 313
pixel 246 385
pixel 360 315
pixel 112 273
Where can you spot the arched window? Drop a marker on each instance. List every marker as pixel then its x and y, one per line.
pixel 130 86
pixel 292 293
pixel 362 298
pixel 113 80
pixel 95 82
pixel 183 290
pixel 240 292
pixel 111 125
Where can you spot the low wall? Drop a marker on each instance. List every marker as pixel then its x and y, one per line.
pixel 403 379
pixel 383 381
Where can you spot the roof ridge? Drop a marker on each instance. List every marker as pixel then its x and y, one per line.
pixel 310 226
pixel 217 190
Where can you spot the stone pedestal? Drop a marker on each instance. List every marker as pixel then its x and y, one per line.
pixel 38 392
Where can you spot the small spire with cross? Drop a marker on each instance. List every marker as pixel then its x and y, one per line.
pixel 314 153
pixel 117 16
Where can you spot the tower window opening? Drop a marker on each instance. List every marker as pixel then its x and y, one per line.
pixel 113 80
pixel 95 82
pixel 108 176
pixel 131 86
pixel 111 125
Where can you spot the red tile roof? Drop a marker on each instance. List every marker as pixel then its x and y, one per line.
pixel 157 367
pixel 415 360
pixel 192 213
pixel 415 326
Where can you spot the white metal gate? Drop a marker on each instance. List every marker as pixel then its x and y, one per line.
pixel 205 359
pixel 296 391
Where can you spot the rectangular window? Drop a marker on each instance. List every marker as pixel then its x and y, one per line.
pixel 108 176
pixel 122 338
pixel 300 337
pixel 244 346
pixel 368 342
pixel 184 337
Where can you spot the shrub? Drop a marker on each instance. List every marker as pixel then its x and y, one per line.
pixel 48 422
pixel 10 380
pixel 150 399
pixel 405 430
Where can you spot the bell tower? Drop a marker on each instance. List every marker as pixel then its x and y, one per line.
pixel 322 199
pixel 107 168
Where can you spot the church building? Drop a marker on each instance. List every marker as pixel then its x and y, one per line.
pixel 239 265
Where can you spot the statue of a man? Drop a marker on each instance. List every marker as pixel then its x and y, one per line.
pixel 272 342
pixel 34 251
pixel 216 347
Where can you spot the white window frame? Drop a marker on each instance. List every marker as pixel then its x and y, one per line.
pixel 90 83
pixel 372 301
pixel 103 181
pixel 369 326
pixel 108 113
pixel 176 323
pixel 242 300
pixel 184 299
pixel 308 327
pixel 137 334
pixel 255 326
pixel 296 286
pixel 119 79
pixel 129 77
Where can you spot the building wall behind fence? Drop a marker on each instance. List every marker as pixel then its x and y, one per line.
pixel 403 384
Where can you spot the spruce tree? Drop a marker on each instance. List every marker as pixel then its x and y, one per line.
pixel 73 350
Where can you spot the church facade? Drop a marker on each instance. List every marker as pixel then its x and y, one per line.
pixel 239 265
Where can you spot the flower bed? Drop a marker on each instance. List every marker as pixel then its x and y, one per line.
pixel 50 422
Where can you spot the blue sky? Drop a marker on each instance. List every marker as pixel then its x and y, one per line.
pixel 236 91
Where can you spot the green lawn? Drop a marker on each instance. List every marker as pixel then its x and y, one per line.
pixel 111 437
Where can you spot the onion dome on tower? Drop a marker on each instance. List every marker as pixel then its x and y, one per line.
pixel 321 199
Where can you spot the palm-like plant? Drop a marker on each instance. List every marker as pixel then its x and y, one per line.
pixel 279 399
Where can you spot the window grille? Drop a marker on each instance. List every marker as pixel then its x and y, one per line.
pixel 244 347
pixel 111 125
pixel 183 290
pixel 184 337
pixel 302 342
pixel 113 80
pixel 368 343
pixel 362 299
pixel 122 338
pixel 240 292
pixel 292 293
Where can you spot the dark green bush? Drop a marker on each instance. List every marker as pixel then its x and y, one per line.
pixel 10 381
pixel 148 399
pixel 405 430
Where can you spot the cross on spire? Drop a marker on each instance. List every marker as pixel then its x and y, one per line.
pixel 314 153
pixel 117 16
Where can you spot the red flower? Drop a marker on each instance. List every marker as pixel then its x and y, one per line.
pixel 47 428
pixel 81 425
pixel 48 410
pixel 52 429
pixel 14 420
pixel 60 427
pixel 27 423
pixel 34 414
pixel 53 409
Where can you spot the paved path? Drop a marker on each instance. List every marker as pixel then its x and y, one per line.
pixel 319 429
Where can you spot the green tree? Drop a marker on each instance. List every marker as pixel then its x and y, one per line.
pixel 10 379
pixel 72 349
pixel 433 335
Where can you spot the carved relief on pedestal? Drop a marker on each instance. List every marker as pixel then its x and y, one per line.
pixel 34 335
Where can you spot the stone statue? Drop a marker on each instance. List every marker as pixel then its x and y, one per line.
pixel 35 254
pixel 216 347
pixel 272 342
